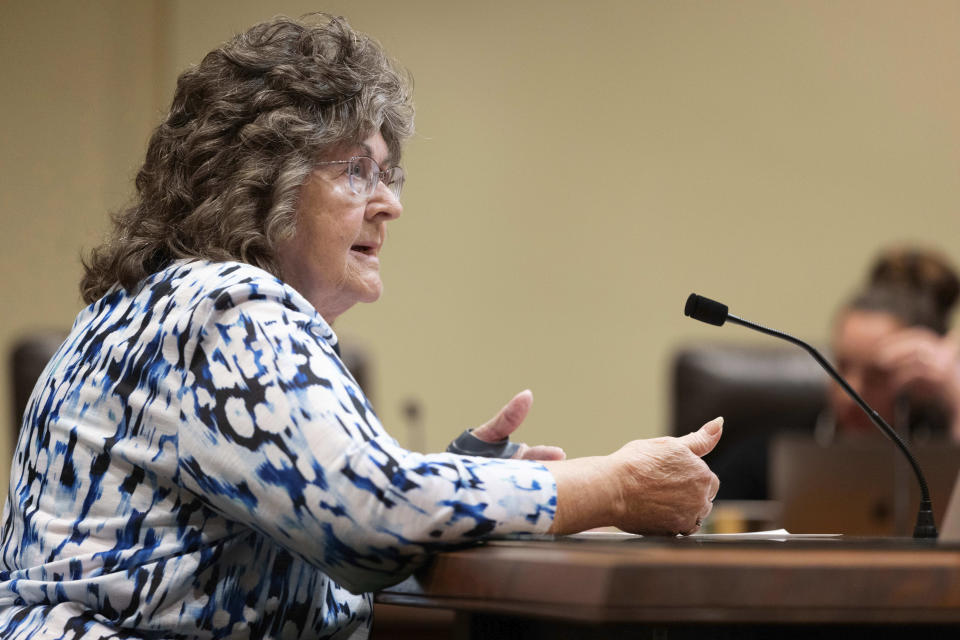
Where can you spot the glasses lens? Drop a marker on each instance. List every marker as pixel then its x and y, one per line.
pixel 363 175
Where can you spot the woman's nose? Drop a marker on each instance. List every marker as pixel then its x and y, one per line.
pixel 384 203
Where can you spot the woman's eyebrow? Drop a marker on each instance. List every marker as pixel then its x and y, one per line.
pixel 368 151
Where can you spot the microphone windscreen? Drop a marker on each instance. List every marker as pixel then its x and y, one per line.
pixel 705 310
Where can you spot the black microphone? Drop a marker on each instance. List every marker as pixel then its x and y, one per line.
pixel 705 310
pixel 716 313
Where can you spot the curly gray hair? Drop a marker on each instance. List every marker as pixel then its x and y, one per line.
pixel 223 172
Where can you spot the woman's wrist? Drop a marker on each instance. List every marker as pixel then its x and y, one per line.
pixel 588 494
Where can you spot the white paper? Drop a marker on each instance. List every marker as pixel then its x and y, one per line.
pixel 775 534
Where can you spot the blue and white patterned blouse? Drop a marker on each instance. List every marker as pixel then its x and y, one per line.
pixel 196 462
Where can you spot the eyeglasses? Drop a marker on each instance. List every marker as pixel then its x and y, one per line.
pixel 364 173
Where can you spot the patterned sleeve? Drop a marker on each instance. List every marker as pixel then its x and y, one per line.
pixel 276 435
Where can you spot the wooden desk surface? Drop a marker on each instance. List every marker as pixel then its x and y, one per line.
pixel 685 581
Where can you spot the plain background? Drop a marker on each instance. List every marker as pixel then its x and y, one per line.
pixel 579 168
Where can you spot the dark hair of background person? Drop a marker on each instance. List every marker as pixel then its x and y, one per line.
pixel 919 287
pixel 222 174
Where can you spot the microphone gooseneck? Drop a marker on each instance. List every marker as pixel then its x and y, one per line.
pixel 716 313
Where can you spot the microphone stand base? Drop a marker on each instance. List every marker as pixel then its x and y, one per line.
pixel 925 526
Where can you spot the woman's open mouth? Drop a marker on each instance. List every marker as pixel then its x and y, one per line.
pixel 367 250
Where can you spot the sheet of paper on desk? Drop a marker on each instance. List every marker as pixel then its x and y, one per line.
pixel 776 534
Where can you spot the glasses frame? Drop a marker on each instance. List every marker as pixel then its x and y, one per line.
pixel 393 178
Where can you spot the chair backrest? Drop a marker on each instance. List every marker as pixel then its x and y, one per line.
pixel 757 389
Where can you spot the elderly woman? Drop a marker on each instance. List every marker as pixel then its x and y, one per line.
pixel 196 461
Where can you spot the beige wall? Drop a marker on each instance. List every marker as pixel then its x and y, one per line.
pixel 576 173
pixel 78 102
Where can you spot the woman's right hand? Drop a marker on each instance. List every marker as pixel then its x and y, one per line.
pixel 666 487
pixel 659 486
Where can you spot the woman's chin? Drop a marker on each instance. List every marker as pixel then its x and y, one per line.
pixel 371 291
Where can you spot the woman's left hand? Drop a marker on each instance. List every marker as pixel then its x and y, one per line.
pixel 506 422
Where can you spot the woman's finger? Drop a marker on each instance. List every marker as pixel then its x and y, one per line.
pixel 540 452
pixel 507 420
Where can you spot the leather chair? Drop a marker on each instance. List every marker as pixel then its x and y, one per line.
pixel 757 389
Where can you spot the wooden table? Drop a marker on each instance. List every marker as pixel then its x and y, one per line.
pixel 678 588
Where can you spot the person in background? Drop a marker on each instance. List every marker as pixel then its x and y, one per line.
pixel 893 345
pixel 196 461
pixel 891 342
